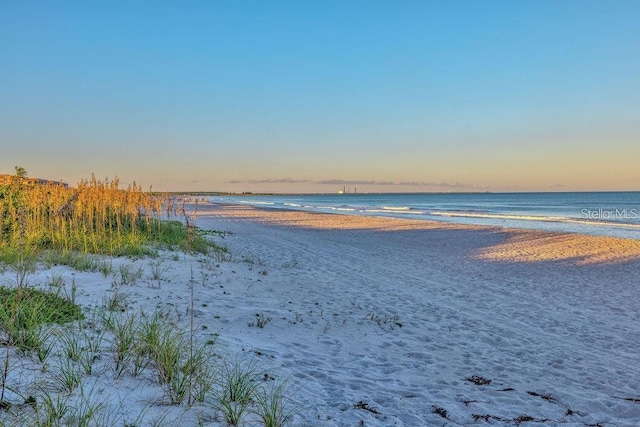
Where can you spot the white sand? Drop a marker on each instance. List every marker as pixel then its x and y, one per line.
pixel 552 320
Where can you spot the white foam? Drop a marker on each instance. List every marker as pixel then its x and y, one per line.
pixel 395 212
pixel 396 208
pixel 536 218
pixel 252 202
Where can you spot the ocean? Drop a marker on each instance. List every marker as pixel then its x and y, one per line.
pixel 599 213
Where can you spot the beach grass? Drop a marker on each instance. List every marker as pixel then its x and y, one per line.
pixel 96 217
pixel 238 386
pixel 274 408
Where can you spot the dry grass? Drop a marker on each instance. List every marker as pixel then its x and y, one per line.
pixel 96 217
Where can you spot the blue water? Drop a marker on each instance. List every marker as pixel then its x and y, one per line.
pixel 603 213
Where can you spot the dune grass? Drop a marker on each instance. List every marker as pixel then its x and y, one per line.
pixel 96 217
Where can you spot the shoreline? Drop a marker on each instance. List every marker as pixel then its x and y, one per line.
pixel 614 215
pixel 517 245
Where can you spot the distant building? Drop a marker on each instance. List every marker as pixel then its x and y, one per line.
pixel 6 179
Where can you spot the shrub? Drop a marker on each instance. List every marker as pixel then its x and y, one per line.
pixel 25 310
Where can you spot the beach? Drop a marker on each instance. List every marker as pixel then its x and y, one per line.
pixel 320 214
pixel 390 322
pixel 403 315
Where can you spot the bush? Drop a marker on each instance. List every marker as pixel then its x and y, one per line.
pixel 24 310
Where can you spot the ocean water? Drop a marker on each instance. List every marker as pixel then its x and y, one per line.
pixel 599 213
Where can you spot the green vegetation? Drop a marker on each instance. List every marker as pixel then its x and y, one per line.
pixel 272 405
pixel 24 310
pixel 123 343
pixel 238 388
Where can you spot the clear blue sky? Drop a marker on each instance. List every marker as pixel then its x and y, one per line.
pixel 308 95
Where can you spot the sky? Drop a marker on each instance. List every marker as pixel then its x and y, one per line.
pixel 309 96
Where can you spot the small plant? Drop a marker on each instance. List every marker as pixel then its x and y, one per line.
pixel 74 290
pixel 120 416
pixel 231 411
pixel 124 338
pixel 166 355
pixel 45 343
pixel 157 271
pixel 105 267
pixel 221 253
pixel 91 352
pixel 129 275
pixel 79 261
pixel 384 322
pixel 239 381
pixel 67 377
pixel 56 283
pixel 85 413
pixel 273 405
pixel 81 348
pixel 83 262
pixel 147 341
pixel 238 384
pixel 251 261
pixel 203 379
pixel 71 344
pixel 183 369
pixel 118 301
pixel 196 372
pixel 52 409
pixel 261 321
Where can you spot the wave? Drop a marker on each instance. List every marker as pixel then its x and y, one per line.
pixel 256 203
pixel 337 208
pixel 395 212
pixel 396 208
pixel 562 219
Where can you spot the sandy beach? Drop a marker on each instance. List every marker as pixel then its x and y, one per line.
pixel 550 319
pixel 390 322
